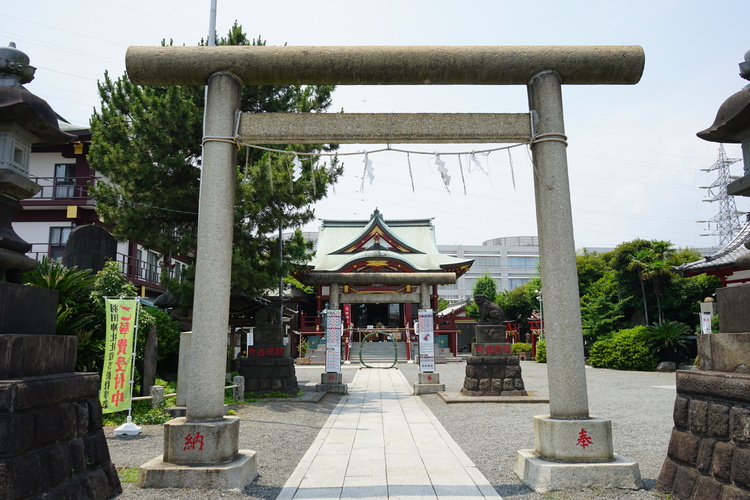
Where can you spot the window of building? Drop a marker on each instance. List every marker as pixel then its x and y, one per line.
pixel 485 262
pixel 516 282
pixel 64 180
pixel 58 237
pixel 518 261
pixel 152 267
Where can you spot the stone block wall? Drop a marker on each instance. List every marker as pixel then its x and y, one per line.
pixel 493 376
pixel 52 444
pixel 709 450
pixel 268 374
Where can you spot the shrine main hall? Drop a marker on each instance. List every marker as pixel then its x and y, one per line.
pixel 384 271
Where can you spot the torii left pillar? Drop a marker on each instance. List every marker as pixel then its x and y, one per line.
pixel 201 450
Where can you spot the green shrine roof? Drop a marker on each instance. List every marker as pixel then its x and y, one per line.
pixel 380 245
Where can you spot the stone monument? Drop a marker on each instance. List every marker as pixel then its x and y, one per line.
pixel 265 367
pixel 51 440
pixel 492 370
pixel 89 247
pixel 708 454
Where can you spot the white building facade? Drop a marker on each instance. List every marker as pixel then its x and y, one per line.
pixel 511 261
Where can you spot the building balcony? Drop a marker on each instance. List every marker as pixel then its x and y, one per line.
pixel 61 191
pixel 139 272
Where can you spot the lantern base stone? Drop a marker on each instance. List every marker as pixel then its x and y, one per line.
pixel 543 475
pixel 232 475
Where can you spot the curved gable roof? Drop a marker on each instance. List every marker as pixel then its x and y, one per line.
pixel 340 242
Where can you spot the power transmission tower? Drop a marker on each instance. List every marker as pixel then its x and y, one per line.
pixel 726 222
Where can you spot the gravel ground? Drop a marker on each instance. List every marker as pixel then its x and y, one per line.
pixel 638 403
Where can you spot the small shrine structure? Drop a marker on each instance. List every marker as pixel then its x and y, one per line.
pixel 380 272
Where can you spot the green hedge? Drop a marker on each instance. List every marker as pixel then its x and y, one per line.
pixel 624 350
pixel 541 351
pixel 520 347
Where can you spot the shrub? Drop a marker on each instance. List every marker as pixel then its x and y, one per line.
pixel 624 350
pixel 520 347
pixel 541 351
pixel 667 341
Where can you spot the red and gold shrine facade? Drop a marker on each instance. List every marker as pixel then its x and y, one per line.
pixel 379 273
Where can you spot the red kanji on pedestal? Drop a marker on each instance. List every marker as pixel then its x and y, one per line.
pixel 191 441
pixel 583 439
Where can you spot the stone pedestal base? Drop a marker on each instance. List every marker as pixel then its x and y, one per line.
pixel 495 375
pixel 428 383
pixel 268 374
pixel 34 309
pixel 201 442
pixel 543 475
pixel 573 454
pixel 52 444
pixel 332 382
pixel 708 455
pixel 585 440
pixel 232 475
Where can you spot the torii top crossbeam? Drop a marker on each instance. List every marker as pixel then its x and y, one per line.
pixel 377 65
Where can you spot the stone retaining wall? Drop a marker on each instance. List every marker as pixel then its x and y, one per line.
pixel 709 451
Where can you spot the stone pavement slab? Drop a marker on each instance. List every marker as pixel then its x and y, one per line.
pixel 383 442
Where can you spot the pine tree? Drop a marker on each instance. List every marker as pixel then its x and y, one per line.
pixel 146 142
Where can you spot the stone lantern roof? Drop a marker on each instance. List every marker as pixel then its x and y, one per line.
pixel 732 120
pixel 19 106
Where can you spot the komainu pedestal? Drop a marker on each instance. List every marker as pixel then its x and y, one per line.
pixel 493 375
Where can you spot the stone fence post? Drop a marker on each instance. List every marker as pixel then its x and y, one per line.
pixel 157 395
pixel 238 392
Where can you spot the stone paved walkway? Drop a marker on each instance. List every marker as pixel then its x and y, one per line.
pixel 383 442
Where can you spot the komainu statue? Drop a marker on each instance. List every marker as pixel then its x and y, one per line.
pixel 489 312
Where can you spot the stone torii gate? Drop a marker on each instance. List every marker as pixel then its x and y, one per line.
pixel 557 460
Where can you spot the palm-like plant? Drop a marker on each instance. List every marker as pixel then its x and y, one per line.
pixel 667 340
pixel 73 285
pixel 639 262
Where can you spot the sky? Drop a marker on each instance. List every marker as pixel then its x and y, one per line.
pixel 635 163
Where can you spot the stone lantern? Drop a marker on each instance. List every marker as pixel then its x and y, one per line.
pixel 37 366
pixel 732 126
pixel 25 120
pixel 711 417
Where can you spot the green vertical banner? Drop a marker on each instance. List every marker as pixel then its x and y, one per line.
pixel 116 389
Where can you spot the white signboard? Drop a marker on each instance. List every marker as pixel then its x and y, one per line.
pixel 333 341
pixel 250 336
pixel 426 341
pixel 706 322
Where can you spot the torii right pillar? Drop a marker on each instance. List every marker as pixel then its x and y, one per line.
pixel 572 449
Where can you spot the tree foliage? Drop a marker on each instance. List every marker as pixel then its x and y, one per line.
pixel 146 141
pixel 486 286
pixel 602 309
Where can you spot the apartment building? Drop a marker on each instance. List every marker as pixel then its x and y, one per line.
pixel 63 203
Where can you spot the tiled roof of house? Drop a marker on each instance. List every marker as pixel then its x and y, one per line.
pixel 725 257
